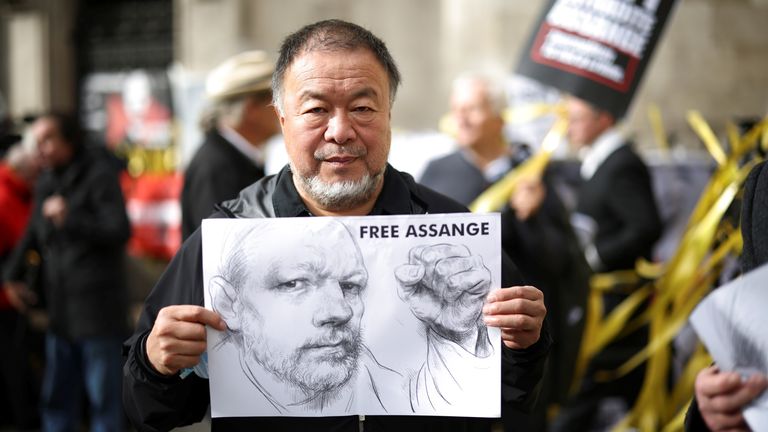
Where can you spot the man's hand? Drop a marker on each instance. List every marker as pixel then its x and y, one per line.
pixel 19 295
pixel 445 287
pixel 527 197
pixel 55 210
pixel 178 337
pixel 722 396
pixel 519 312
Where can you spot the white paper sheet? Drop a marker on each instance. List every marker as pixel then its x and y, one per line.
pixel 731 322
pixel 328 316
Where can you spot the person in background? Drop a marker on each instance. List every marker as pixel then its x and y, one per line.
pixel 333 89
pixel 80 226
pixel 720 397
pixel 232 155
pixel 618 222
pixel 535 229
pixel 18 173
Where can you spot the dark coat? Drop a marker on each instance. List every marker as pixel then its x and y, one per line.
pixel 754 230
pixel 154 402
pixel 82 262
pixel 217 172
pixel 619 197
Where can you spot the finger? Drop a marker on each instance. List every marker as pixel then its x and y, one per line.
pixel 514 322
pixel 181 347
pixel 524 292
pixel 710 383
pixel 517 306
pixel 192 313
pixel 736 400
pixel 171 364
pixel 409 274
pixel 183 330
pixel 725 422
pixel 433 253
pixel 475 282
pixel 414 255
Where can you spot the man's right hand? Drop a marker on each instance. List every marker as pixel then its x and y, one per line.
pixel 178 337
pixel 722 397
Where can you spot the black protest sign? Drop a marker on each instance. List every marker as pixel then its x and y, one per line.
pixel 596 50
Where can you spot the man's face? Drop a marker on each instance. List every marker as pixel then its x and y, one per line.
pixel 336 118
pixel 476 122
pixel 53 149
pixel 302 309
pixel 585 124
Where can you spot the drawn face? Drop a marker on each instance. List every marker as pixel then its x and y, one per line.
pixel 476 123
pixel 336 123
pixel 302 308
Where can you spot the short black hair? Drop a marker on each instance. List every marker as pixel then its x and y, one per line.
pixel 69 127
pixel 331 35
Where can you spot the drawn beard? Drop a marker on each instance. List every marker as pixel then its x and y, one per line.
pixel 341 195
pixel 315 372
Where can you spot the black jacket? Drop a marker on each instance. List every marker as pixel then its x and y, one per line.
pixel 619 197
pixel 82 262
pixel 217 172
pixel 155 402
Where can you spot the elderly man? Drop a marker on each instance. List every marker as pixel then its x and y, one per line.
pixel 333 88
pixel 232 155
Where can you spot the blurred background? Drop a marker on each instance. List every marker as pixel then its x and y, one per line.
pixel 134 71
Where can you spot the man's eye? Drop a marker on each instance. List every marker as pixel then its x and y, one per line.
pixel 363 109
pixel 314 110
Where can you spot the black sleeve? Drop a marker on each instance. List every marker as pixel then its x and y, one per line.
pixel 155 402
pixel 694 422
pixel 634 204
pixel 522 370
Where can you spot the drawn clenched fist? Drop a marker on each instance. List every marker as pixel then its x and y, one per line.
pixel 445 287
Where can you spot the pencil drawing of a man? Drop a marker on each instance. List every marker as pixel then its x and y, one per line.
pixel 293 304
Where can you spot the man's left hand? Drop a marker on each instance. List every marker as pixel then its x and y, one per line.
pixel 519 311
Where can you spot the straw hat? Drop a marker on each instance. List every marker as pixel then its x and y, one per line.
pixel 247 72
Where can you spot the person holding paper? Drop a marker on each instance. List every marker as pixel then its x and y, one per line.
pixel 333 89
pixel 720 397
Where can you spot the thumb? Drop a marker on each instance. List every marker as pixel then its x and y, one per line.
pixel 409 274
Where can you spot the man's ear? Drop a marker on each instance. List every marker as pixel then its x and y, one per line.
pixel 224 301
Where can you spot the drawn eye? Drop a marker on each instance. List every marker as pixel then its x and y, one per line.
pixel 291 285
pixel 350 287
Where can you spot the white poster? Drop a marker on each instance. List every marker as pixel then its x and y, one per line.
pixel 375 315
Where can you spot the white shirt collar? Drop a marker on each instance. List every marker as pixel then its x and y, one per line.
pixel 252 152
pixel 604 146
pixel 495 169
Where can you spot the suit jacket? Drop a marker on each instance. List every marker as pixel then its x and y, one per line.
pixel 619 198
pixel 217 173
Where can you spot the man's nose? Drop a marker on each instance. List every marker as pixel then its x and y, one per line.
pixel 340 128
pixel 333 308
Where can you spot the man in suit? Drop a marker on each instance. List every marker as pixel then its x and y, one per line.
pixel 618 222
pixel 232 155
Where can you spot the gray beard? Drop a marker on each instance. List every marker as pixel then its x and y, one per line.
pixel 339 195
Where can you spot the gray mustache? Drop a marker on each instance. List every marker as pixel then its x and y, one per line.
pixel 330 151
